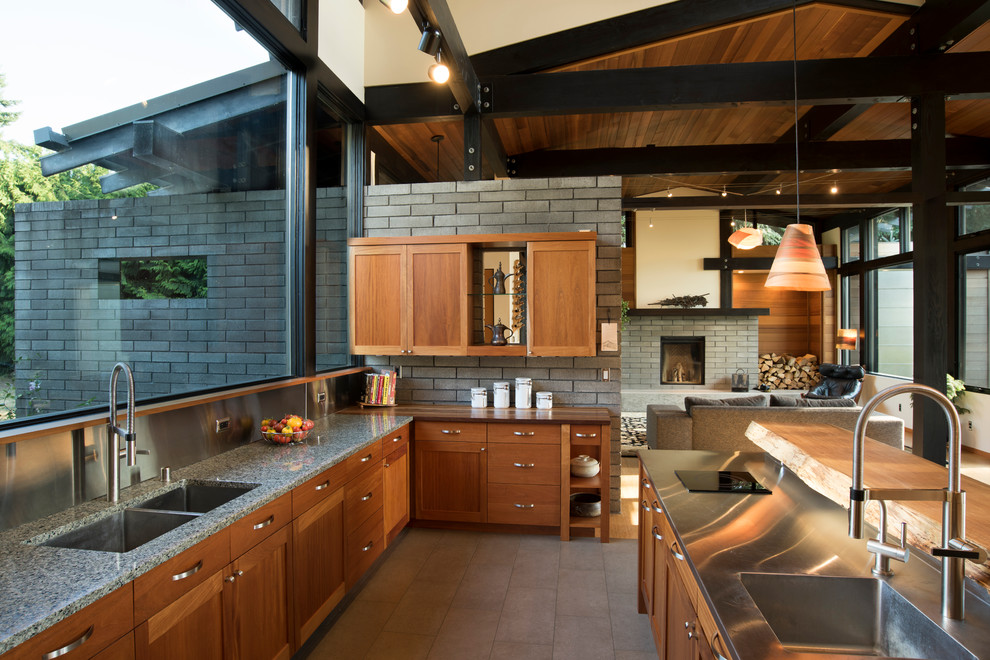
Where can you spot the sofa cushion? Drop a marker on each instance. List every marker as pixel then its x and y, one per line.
pixel 784 401
pixel 756 400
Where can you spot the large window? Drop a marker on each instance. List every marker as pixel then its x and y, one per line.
pixel 891 234
pixel 975 327
pixel 893 299
pixel 976 217
pixel 160 161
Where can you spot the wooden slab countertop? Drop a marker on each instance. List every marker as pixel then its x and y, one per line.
pixel 821 455
pixel 453 413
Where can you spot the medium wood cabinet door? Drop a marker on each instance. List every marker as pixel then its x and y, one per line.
pixel 376 283
pixel 659 577
pixel 257 621
pixel 681 620
pixel 317 563
pixel 190 627
pixel 646 542
pixel 395 483
pixel 451 480
pixel 561 300
pixel 436 298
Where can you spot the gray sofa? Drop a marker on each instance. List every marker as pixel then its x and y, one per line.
pixel 723 428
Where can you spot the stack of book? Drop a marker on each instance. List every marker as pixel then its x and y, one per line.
pixel 380 389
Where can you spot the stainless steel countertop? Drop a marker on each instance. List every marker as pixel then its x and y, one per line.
pixel 792 530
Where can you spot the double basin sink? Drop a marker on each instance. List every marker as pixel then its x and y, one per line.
pixel 136 525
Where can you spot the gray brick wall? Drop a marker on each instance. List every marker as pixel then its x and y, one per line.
pixel 332 349
pixel 524 206
pixel 731 343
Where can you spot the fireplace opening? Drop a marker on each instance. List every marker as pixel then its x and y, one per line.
pixel 682 360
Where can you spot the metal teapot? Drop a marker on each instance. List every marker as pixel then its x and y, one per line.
pixel 498 280
pixel 498 333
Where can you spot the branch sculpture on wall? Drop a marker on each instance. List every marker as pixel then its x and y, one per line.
pixel 684 301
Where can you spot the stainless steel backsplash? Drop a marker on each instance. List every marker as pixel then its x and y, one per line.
pixel 51 473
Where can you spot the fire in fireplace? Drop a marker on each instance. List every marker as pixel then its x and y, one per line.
pixel 682 360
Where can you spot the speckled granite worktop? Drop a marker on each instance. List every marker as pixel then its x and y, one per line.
pixel 41 585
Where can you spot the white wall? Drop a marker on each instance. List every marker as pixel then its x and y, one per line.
pixel 898 406
pixel 977 437
pixel 669 255
pixel 342 40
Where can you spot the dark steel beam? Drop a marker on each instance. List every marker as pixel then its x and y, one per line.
pixel 773 158
pixel 463 83
pixel 840 201
pixel 410 103
pixel 751 263
pixel 636 29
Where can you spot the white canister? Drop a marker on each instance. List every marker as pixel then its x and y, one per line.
pixel 544 400
pixel 479 397
pixel 524 392
pixel 501 394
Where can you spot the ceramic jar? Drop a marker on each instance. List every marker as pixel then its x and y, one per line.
pixel 544 400
pixel 501 394
pixel 586 505
pixel 479 397
pixel 524 392
pixel 584 466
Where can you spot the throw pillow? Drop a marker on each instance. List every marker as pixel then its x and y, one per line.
pixel 783 401
pixel 756 400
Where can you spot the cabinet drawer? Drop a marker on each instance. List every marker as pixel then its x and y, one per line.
pixel 163 584
pixel 259 525
pixel 586 434
pixel 523 505
pixel 87 632
pixel 364 545
pixel 364 459
pixel 452 431
pixel 318 488
pixel 394 440
pixel 362 496
pixel 511 463
pixel 530 433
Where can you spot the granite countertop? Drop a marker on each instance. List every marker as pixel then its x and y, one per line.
pixel 463 413
pixel 792 530
pixel 41 585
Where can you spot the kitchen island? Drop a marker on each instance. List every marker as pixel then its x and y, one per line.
pixel 726 537
pixel 41 585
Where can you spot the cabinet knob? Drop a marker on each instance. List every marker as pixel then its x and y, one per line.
pixel 482 449
pixel 229 578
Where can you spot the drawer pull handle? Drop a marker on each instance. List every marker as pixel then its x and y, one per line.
pixel 397 438
pixel 368 547
pixel 387 464
pixel 656 507
pixel 266 523
pixel 451 431
pixel 676 553
pixel 656 534
pixel 325 484
pixel 191 571
pixel 527 433
pixel 366 497
pixel 525 465
pixel 366 458
pixel 585 435
pixel 718 656
pixel 524 506
pixel 645 505
pixel 646 484
pixel 71 646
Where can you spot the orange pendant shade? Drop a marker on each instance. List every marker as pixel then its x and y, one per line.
pixel 798 265
pixel 746 238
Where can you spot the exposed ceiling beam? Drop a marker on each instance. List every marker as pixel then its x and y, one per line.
pixel 636 29
pixel 936 26
pixel 410 103
pixel 878 200
pixel 773 158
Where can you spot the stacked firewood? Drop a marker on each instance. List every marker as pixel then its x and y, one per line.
pixel 789 372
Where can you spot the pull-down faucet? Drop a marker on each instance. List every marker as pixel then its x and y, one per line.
pixel 115 433
pixel 955 550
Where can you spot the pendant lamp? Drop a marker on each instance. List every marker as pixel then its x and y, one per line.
pixel 798 265
pixel 746 238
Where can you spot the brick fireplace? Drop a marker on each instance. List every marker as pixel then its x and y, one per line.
pixel 682 360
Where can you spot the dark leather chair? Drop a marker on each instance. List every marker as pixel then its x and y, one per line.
pixel 839 381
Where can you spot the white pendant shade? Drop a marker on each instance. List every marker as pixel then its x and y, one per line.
pixel 746 238
pixel 798 265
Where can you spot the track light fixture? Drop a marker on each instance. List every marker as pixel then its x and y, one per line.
pixel 429 43
pixel 724 191
pixel 395 6
pixel 439 72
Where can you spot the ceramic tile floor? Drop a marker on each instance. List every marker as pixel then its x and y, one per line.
pixel 462 595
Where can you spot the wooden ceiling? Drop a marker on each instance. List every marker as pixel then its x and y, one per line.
pixel 824 31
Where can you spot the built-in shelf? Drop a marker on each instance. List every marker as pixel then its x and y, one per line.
pixel 702 311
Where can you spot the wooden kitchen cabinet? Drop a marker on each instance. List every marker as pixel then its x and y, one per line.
pixel 395 483
pixel 591 440
pixel 451 471
pixel 122 649
pixel 659 574
pixel 409 299
pixel 561 305
pixel 84 634
pixel 645 576
pixel 190 626
pixel 682 622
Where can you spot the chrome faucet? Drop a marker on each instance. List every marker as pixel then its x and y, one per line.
pixel 955 549
pixel 886 551
pixel 115 433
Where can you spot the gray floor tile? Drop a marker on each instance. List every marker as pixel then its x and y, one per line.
pixel 517 651
pixel 581 553
pixel 447 563
pixel 391 580
pixel 422 608
pixel 535 567
pixel 465 635
pixel 630 629
pixel 483 587
pixel 496 549
pixel 581 637
pixel 399 646
pixel 354 632
pixel 528 616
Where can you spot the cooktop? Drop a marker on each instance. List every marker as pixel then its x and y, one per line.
pixel 720 481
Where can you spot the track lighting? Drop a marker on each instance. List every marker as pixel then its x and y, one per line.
pixel 396 6
pixel 778 190
pixel 724 193
pixel 835 188
pixel 439 73
pixel 669 194
pixel 429 43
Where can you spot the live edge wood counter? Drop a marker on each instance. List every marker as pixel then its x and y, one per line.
pixel 822 456
pixel 495 468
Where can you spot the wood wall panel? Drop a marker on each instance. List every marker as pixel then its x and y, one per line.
pixel 789 327
pixel 629 275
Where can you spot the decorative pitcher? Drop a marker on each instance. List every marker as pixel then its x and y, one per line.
pixel 498 333
pixel 498 280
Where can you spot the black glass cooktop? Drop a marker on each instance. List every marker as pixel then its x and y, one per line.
pixel 720 481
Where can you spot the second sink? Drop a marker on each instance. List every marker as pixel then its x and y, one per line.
pixel 196 497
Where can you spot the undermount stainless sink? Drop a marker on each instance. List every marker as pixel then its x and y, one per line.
pixel 853 615
pixel 196 497
pixel 122 531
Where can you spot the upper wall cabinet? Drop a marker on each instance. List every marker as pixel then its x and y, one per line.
pixel 438 295
pixel 409 299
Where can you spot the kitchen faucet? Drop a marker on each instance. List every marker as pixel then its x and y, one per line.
pixel 115 433
pixel 955 549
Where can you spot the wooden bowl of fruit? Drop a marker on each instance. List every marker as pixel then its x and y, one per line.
pixel 291 429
